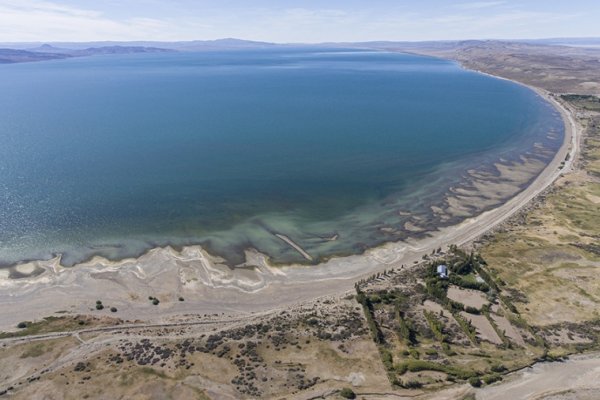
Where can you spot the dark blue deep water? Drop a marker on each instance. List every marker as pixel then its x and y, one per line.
pixel 113 155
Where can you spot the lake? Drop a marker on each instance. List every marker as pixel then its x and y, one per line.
pixel 337 149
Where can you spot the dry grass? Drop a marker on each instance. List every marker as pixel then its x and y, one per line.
pixel 551 259
pixel 468 297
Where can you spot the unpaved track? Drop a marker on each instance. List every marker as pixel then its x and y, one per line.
pixel 222 323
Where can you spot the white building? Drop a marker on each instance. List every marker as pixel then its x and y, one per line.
pixel 442 271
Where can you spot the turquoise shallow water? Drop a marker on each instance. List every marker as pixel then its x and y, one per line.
pixel 114 155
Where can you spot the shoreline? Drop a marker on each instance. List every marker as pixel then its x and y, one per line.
pixel 213 287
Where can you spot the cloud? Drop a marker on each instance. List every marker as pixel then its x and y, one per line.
pixel 46 7
pixel 36 20
pixel 52 20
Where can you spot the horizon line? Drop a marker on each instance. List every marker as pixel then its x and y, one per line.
pixel 322 42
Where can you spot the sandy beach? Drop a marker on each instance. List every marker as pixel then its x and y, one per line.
pixel 212 287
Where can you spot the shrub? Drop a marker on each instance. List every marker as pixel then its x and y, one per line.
pixel 387 359
pixel 412 385
pixel 401 368
pixel 99 306
pixel 456 306
pixel 421 365
pixel 415 353
pixel 155 301
pixel 447 350
pixel 181 298
pixel 113 309
pixel 431 352
pixel 489 379
pixel 498 368
pixel 364 300
pixel 374 298
pixel 347 393
pixel 22 325
pixel 80 367
pixel 464 283
pixel 474 381
pixel 418 365
pixel 98 301
pixel 405 331
pixel 436 326
pixel 471 310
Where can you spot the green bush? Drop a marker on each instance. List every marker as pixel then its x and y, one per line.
pixel 347 393
pixel 435 325
pixel 22 325
pixel 431 352
pixel 113 309
pixel 467 327
pixel 412 384
pixel 405 331
pixel 375 298
pixel 456 306
pixel 415 354
pixel 364 300
pixel 448 350
pixel 474 381
pixel 155 301
pixel 464 283
pixel 401 368
pixel 422 365
pixel 489 379
pixel 498 368
pixel 99 306
pixel 387 359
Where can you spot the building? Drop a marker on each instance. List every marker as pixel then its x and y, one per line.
pixel 442 271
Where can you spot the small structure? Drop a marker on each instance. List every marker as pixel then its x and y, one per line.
pixel 442 271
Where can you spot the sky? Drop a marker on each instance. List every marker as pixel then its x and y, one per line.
pixel 285 21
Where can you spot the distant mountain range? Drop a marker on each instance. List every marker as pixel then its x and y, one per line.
pixel 48 52
pixel 90 51
pixel 26 52
pixel 9 56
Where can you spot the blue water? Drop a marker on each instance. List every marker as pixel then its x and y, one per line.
pixel 113 155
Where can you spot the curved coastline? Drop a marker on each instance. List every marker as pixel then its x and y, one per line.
pixel 256 285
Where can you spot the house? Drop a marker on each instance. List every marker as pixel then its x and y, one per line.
pixel 442 271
